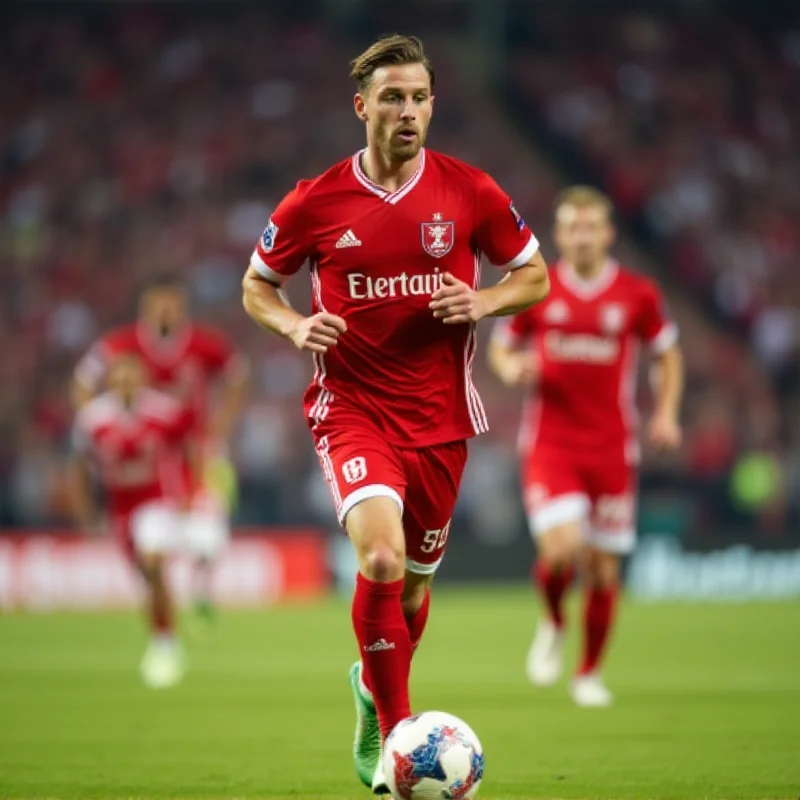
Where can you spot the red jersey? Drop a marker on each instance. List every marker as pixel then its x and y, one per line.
pixel 587 337
pixel 181 366
pixel 133 448
pixel 375 259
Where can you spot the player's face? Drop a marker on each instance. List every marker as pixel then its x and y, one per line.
pixel 397 109
pixel 126 377
pixel 164 308
pixel 583 235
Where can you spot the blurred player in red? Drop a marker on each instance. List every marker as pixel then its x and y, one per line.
pixel 579 443
pixel 127 436
pixel 184 360
pixel 394 236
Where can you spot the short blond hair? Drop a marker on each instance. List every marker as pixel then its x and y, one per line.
pixel 392 50
pixel 583 197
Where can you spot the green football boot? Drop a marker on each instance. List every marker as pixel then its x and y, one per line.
pixel 367 742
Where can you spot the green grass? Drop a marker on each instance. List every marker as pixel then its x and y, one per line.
pixel 708 705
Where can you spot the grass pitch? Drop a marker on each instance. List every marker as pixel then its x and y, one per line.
pixel 708 705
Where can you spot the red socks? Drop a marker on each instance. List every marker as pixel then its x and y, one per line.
pixel 597 620
pixel 553 585
pixel 385 647
pixel 416 622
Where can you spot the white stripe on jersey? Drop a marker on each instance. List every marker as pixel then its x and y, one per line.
pixel 477 413
pixel 324 399
pixel 329 472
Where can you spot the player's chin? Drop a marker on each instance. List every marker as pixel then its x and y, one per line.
pixel 401 150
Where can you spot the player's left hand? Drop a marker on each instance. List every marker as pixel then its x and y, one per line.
pixel 664 432
pixel 456 302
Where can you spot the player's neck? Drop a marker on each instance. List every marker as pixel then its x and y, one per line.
pixel 389 175
pixel 590 271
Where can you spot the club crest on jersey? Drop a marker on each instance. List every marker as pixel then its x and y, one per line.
pixel 268 237
pixel 438 237
pixel 612 318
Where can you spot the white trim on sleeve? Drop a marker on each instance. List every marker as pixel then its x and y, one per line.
pixel 664 339
pixel 524 257
pixel 265 271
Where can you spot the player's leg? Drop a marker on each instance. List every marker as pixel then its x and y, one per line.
pixel 611 536
pixel 367 484
pixel 206 531
pixel 434 476
pixel 553 572
pixel 376 530
pixel 416 603
pixel 154 531
pixel 557 508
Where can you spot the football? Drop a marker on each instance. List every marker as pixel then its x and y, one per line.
pixel 433 755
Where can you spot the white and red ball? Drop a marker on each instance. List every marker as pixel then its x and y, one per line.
pixel 433 755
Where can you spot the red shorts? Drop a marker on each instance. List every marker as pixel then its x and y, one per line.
pixel 561 488
pixel 358 464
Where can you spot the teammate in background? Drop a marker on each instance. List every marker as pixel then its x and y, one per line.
pixel 184 360
pixel 394 236
pixel 125 436
pixel 578 440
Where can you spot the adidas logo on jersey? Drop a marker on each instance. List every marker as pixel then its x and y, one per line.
pixel 348 239
pixel 376 647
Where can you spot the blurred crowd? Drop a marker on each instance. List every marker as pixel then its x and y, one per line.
pixel 139 140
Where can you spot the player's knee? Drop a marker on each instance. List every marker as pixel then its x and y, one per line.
pixel 152 567
pixel 383 563
pixel 603 569
pixel 559 546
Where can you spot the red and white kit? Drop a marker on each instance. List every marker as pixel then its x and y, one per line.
pixel 579 440
pixel 182 366
pixel 132 448
pixel 392 404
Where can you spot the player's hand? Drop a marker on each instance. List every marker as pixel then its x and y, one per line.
pixel 318 332
pixel 664 432
pixel 519 369
pixel 456 302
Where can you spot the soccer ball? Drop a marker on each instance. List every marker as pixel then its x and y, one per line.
pixel 433 755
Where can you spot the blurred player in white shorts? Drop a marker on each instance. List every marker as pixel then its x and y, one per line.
pixel 196 366
pixel 123 439
pixel 579 446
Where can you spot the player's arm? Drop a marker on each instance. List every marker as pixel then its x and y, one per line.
pixel 667 382
pixel 268 306
pixel 508 358
pixel 193 452
pixel 89 375
pixel 232 371
pixel 518 290
pixel 280 252
pixel 502 234
pixel 667 375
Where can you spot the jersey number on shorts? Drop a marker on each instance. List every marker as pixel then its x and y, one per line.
pixel 355 469
pixel 615 511
pixel 435 540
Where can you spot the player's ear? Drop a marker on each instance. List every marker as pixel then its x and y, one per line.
pixel 360 107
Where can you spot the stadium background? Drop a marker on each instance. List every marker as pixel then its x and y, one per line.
pixel 137 138
pixel 141 138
